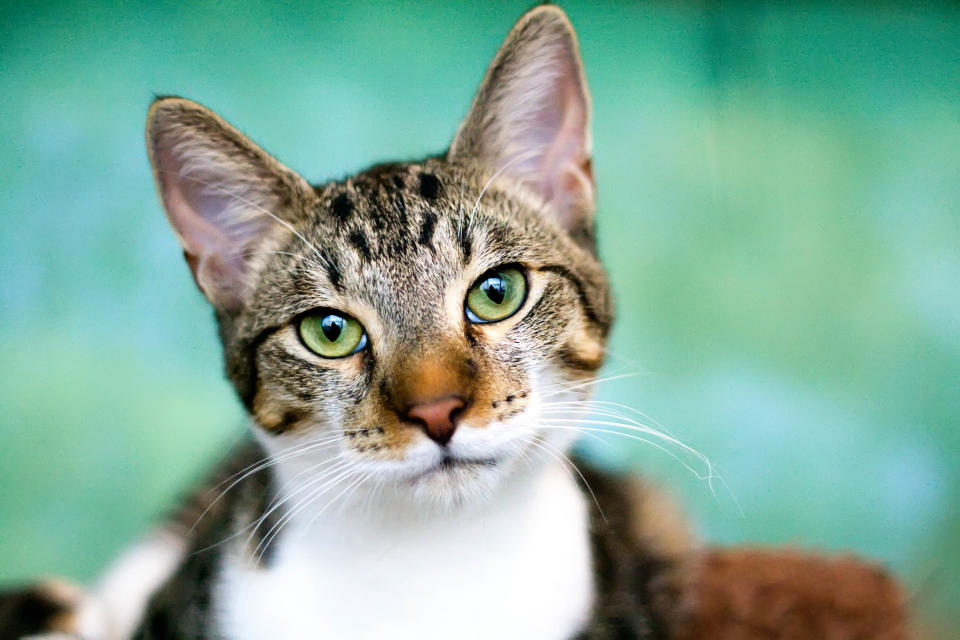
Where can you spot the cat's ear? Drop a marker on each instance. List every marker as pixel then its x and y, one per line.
pixel 223 194
pixel 530 120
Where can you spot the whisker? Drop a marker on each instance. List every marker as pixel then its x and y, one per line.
pixel 635 426
pixel 612 405
pixel 360 478
pixel 256 523
pixel 349 474
pixel 260 465
pixel 314 493
pixel 585 383
pixel 631 436
pixel 283 494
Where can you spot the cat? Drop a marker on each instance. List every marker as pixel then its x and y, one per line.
pixel 401 339
pixel 415 345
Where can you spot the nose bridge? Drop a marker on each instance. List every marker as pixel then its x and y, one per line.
pixel 424 374
pixel 429 357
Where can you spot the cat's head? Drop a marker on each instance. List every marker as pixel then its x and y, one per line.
pixel 418 322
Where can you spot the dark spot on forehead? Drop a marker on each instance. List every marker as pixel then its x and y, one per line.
pixel 358 240
pixel 401 207
pixel 466 246
pixel 398 181
pixel 429 186
pixel 333 270
pixel 342 207
pixel 426 230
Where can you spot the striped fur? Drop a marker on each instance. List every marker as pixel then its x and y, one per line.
pixel 338 455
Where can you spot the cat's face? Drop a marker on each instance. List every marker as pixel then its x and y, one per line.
pixel 428 324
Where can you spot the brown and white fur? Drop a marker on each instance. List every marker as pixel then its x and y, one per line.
pixel 368 524
pixel 358 511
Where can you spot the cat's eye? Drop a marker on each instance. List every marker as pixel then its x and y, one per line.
pixel 332 334
pixel 496 295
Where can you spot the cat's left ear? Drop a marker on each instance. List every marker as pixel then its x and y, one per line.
pixel 530 120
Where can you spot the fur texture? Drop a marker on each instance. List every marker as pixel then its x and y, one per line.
pixel 752 594
pixel 416 484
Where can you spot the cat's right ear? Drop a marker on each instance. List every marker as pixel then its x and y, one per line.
pixel 223 195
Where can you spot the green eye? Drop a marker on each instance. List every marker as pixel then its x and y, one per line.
pixel 496 295
pixel 332 334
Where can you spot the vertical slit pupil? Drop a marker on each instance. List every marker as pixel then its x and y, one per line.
pixel 332 327
pixel 496 289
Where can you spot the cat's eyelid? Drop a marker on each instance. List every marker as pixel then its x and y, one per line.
pixel 482 270
pixel 338 305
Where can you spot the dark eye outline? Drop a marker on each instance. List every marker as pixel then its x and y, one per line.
pixel 474 318
pixel 323 312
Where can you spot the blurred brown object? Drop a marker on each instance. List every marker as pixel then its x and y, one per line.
pixel 747 594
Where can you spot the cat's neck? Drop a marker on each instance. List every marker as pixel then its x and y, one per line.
pixel 521 560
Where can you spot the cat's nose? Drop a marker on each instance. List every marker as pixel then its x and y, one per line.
pixel 438 417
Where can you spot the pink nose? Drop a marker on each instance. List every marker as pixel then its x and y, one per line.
pixel 438 417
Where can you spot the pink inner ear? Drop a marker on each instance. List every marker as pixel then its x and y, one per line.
pixel 567 157
pixel 200 237
pixel 216 265
pixel 214 214
pixel 557 142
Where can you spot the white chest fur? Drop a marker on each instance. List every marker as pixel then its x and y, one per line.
pixel 519 567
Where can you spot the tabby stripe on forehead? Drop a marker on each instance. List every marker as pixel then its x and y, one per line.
pixel 581 294
pixel 358 240
pixel 466 246
pixel 401 206
pixel 333 270
pixel 426 231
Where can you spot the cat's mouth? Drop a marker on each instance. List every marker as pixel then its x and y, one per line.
pixel 453 464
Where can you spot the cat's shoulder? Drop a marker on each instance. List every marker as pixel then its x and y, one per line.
pixel 645 555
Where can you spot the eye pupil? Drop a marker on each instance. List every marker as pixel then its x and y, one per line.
pixel 496 295
pixel 331 334
pixel 495 288
pixel 332 327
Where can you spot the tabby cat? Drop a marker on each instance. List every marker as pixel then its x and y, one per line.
pixel 413 345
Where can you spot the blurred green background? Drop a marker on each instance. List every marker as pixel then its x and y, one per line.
pixel 779 208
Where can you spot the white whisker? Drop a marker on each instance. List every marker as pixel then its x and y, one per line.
pixel 274 530
pixel 262 464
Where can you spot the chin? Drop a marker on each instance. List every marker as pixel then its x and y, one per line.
pixel 454 483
